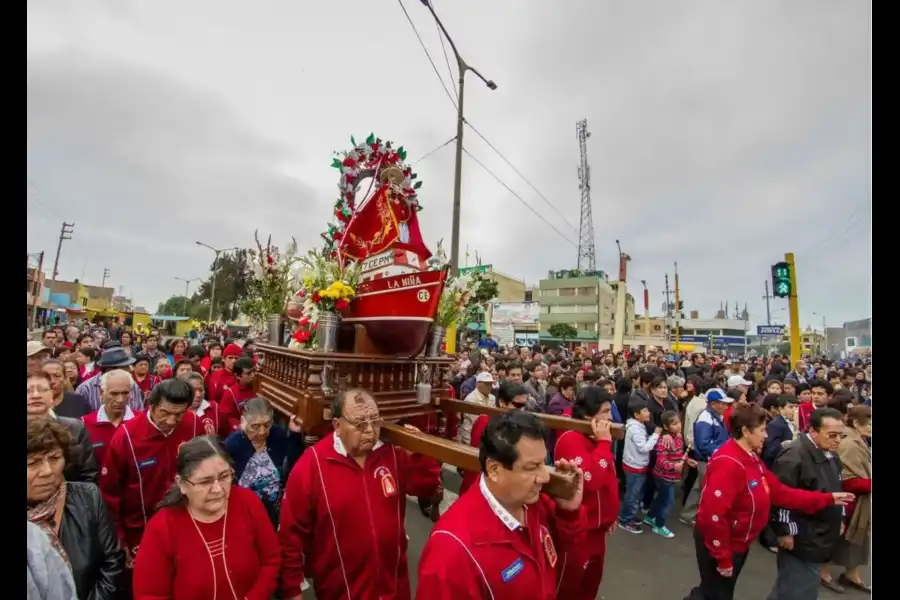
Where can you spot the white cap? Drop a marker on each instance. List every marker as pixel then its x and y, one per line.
pixel 484 377
pixel 736 380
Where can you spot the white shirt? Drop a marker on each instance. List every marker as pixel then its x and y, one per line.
pixel 504 515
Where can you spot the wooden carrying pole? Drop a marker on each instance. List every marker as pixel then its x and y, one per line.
pixel 561 485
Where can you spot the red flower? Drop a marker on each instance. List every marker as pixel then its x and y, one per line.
pixel 301 335
pixel 341 305
pixel 303 321
pixel 269 259
pixel 349 162
pixel 316 298
pixel 301 294
pixel 315 326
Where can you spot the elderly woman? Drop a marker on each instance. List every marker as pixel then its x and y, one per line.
pixel 209 539
pixel 264 453
pixel 71 514
pixel 856 458
pixel 39 404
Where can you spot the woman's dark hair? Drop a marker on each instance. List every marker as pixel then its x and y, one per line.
pixel 667 418
pixel 751 417
pixel 774 401
pixel 657 382
pixel 190 455
pixel 735 394
pixel 623 386
pixel 859 415
pixel 589 402
pixel 503 432
pixel 566 382
pixel 183 361
pixel 175 391
pixel 196 351
pixel 45 434
pixel 841 400
pixel 89 352
pixel 509 390
pixel 82 337
pixel 141 358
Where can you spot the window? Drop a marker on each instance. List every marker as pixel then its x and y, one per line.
pixel 657 327
pixel 638 328
pixel 733 332
pixel 587 327
pixel 586 291
pixel 529 295
pixel 566 291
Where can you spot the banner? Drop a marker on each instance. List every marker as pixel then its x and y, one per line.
pixel 516 313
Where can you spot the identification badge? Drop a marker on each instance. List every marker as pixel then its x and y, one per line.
pixel 753 483
pixel 147 463
pixel 549 547
pixel 388 485
pixel 512 570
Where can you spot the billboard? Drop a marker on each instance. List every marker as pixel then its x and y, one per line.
pixel 770 330
pixel 516 313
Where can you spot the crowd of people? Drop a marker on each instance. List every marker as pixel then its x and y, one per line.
pixel 153 471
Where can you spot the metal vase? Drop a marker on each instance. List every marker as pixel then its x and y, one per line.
pixel 327 333
pixel 274 327
pixel 435 339
pixel 423 393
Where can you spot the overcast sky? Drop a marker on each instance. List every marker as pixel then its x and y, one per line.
pixel 723 135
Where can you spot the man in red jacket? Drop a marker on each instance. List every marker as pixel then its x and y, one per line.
pixel 343 511
pixel 139 466
pixel 219 381
pixel 231 402
pixel 502 539
pixel 583 571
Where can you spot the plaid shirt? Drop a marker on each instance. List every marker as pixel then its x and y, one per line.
pixel 90 389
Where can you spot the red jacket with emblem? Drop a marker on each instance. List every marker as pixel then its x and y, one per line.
pixel 218 383
pixel 475 555
pixel 231 404
pixel 138 469
pixel 425 466
pixel 100 430
pixel 209 420
pixel 601 487
pixel 738 491
pixel 344 525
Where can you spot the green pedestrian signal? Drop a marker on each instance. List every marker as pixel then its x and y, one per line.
pixel 781 280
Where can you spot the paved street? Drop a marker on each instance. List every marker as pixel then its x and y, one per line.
pixel 638 567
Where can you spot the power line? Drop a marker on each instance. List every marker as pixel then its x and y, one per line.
pixel 519 198
pixel 427 54
pixel 446 57
pixel 519 173
pixel 445 144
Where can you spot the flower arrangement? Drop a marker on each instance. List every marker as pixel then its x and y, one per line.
pixel 454 301
pixel 271 272
pixel 325 284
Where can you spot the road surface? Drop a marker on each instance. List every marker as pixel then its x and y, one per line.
pixel 638 567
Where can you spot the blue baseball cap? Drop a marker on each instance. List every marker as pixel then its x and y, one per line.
pixel 717 395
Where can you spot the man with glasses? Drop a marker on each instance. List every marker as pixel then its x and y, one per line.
pixel 343 511
pixel 140 462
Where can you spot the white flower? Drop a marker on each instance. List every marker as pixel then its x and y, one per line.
pixel 718 493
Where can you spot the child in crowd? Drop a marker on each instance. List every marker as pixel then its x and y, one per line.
pixel 670 460
pixel 635 460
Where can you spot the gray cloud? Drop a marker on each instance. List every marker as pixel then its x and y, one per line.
pixel 723 136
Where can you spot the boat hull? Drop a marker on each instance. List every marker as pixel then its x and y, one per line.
pixel 398 311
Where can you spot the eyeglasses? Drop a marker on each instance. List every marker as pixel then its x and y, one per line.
pixel 363 426
pixel 224 480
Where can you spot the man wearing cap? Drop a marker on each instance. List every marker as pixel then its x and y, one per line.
pixel 484 383
pixel 737 382
pixel 710 434
pixel 112 359
pixel 37 353
pixel 223 379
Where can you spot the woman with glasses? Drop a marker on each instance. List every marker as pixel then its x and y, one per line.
pixel 209 539
pixel 263 453
pixel 510 396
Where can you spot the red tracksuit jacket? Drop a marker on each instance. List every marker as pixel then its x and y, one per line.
pixel 582 573
pixel 231 404
pixel 138 470
pixel 218 383
pixel 738 491
pixel 174 561
pixel 347 523
pixel 470 478
pixel 101 431
pixel 478 553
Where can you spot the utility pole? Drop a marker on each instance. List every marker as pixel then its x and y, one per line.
pixel 677 312
pixel 105 275
pixel 187 282
pixel 64 234
pixel 668 312
pixel 463 67
pixel 767 297
pixel 36 290
pixel 793 310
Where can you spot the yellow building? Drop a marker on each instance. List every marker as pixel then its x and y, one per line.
pixel 77 292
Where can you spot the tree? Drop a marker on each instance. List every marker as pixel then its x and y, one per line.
pixel 175 305
pixel 562 331
pixel 232 277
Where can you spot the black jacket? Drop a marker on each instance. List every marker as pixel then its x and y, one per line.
pixel 84 467
pixel 804 466
pixel 778 432
pixel 89 538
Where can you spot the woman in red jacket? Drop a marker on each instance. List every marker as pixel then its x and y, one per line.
pixel 738 492
pixel 582 570
pixel 210 539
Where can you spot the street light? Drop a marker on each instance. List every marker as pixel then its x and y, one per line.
pixel 187 282
pixel 212 293
pixel 460 121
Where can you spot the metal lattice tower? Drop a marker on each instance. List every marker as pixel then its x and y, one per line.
pixel 586 255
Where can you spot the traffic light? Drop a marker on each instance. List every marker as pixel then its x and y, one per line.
pixel 781 280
